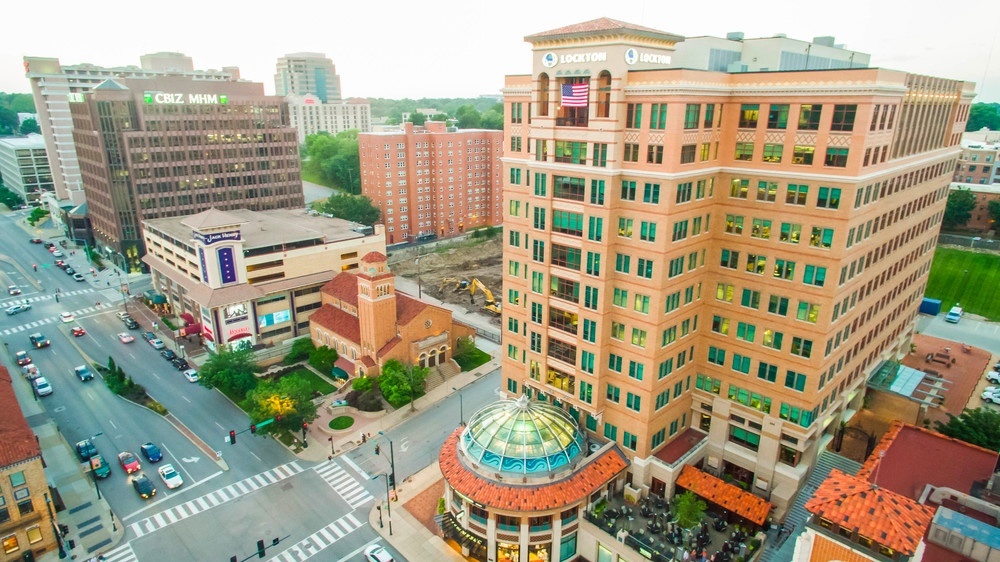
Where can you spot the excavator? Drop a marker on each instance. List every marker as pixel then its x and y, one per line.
pixel 459 284
pixel 491 305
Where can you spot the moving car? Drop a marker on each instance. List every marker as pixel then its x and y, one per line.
pixel 143 486
pixel 125 337
pixel 180 364
pixel 123 315
pixel 100 468
pixel 42 386
pixel 17 308
pixel 13 290
pixel 85 450
pixel 83 373
pixel 151 452
pixel 77 277
pixel 36 240
pixel 170 476
pixel 148 336
pixel 376 553
pixel 69 270
pixel 128 461
pixel 168 354
pixel 23 358
pixel 78 331
pixel 66 317
pixel 191 375
pixel 954 315
pixel 39 341
pixel 58 254
pixel 156 343
pixel 60 264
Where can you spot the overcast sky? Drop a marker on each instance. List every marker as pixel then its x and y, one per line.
pixel 452 48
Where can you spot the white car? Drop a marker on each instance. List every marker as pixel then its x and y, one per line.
pixel 170 476
pixel 42 386
pixel 58 254
pixel 991 394
pixel 376 553
pixel 126 337
pixel 993 376
pixel 66 317
pixel 157 344
pixel 191 375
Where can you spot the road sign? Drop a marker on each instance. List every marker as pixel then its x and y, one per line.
pixel 263 423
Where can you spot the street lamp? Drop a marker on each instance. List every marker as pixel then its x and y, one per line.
pixel 461 407
pixel 121 288
pixel 332 451
pixel 388 504
pixel 52 517
pixel 413 391
pixel 92 473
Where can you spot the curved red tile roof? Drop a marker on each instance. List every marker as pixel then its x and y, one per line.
pixel 589 478
pixel 373 257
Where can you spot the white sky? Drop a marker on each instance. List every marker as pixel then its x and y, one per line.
pixel 455 48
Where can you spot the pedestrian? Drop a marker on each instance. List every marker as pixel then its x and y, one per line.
pixel 329 458
pixel 364 439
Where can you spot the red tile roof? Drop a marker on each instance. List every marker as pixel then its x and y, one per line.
pixel 600 24
pixel 407 308
pixel 899 462
pixel 728 496
pixel 371 257
pixel 882 515
pixel 589 478
pixel 337 321
pixel 17 441
pixel 343 286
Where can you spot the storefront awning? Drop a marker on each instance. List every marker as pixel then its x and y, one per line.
pixel 452 528
pixel 729 497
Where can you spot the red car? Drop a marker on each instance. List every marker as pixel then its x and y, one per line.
pixel 128 461
pixel 78 331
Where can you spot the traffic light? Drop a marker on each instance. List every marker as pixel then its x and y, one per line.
pixel 253 428
pixel 376 449
pixel 305 425
pixel 392 480
pixel 232 437
pixel 277 419
pixel 260 549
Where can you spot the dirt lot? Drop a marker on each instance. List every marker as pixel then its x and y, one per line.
pixel 454 261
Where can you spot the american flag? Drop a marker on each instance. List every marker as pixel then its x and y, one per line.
pixel 575 95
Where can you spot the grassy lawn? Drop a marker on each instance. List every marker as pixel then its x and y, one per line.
pixel 968 278
pixel 315 178
pixel 341 422
pixel 315 382
pixel 473 359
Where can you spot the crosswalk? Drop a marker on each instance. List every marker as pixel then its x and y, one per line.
pixel 321 539
pixel 51 320
pixel 46 297
pixel 346 486
pixel 216 498
pixel 123 553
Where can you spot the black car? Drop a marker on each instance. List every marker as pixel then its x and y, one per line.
pixel 131 324
pixel 36 240
pixel 39 341
pixel 148 336
pixel 69 270
pixel 180 364
pixel 85 449
pixel 143 486
pixel 168 354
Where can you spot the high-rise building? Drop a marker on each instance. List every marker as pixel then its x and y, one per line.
pixel 432 181
pixel 24 167
pixel 52 83
pixel 705 266
pixel 307 73
pixel 171 146
pixel 310 115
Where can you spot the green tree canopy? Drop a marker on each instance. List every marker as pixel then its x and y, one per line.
pixel 493 118
pixel 984 115
pixel 323 359
pixel 959 208
pixel 30 126
pixel 468 117
pixel 18 103
pixel 993 208
pixel 288 397
pixel 978 427
pixel 402 383
pixel 335 159
pixel 690 509
pixel 357 208
pixel 418 118
pixel 8 121
pixel 232 372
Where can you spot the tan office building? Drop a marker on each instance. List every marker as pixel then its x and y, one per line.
pixel 705 266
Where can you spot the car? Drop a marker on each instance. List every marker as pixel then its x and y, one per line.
pixel 148 336
pixel 376 553
pixel 99 467
pixel 85 450
pixel 69 270
pixel 170 476
pixel 49 245
pixel 131 324
pixel 36 240
pixel 156 343
pixel 23 358
pixel 143 486
pixel 78 331
pixel 954 315
pixel 60 264
pixel 993 376
pixel 991 397
pixel 125 337
pixel 122 315
pixel 66 317
pixel 83 373
pixel 191 375
pixel 18 308
pixel 77 277
pixel 58 254
pixel 39 341
pixel 168 354
pixel 31 372
pixel 42 386
pixel 13 290
pixel 180 364
pixel 128 461
pixel 151 452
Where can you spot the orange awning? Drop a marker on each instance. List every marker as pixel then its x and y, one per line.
pixel 727 496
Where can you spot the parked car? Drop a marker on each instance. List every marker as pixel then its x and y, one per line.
pixel 39 341
pixel 18 308
pixel 36 240
pixel 77 331
pixel 993 376
pixel 125 337
pixel 49 245
pixel 60 264
pixel 151 452
pixel 99 467
pixel 128 461
pixel 180 364
pixel 69 271
pixel 131 324
pixel 122 315
pixel 954 315
pixel 23 358
pixel 13 290
pixel 83 373
pixel 58 254
pixel 156 343
pixel 191 375
pixel 143 486
pixel 66 317
pixel 991 394
pixel 168 354
pixel 85 450
pixel 77 277
pixel 376 553
pixel 170 476
pixel 148 336
pixel 42 386
pixel 31 371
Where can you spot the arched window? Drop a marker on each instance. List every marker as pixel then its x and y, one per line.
pixel 543 94
pixel 604 94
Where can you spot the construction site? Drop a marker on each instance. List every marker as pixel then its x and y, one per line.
pixel 463 272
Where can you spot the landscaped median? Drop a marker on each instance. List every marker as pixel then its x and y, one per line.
pixel 119 383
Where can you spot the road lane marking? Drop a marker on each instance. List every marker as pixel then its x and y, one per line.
pixel 320 540
pixel 342 482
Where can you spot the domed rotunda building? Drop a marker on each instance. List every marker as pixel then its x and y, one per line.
pixel 518 479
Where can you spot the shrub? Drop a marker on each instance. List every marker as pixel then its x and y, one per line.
pixel 370 401
pixel 323 359
pixel 301 349
pixel 440 506
pixel 362 384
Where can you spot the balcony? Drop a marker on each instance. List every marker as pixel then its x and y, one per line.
pixel 573 121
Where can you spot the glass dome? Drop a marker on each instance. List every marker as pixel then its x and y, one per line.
pixel 522 437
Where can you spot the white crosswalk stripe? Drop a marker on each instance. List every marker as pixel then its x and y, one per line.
pixel 123 553
pixel 45 321
pixel 208 501
pixel 46 297
pixel 344 484
pixel 320 540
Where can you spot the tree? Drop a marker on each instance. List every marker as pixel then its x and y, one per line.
pixel 289 397
pixel 690 509
pixel 984 115
pixel 993 208
pixel 357 208
pixel 232 372
pixel 417 118
pixel 301 348
pixel 402 383
pixel 334 159
pixel 493 118
pixel 979 427
pixel 959 208
pixel 468 117
pixel 8 121
pixel 323 359
pixel 30 126
pixel 37 215
pixel 9 198
pixel 439 117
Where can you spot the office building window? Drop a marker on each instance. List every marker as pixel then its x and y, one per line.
pixel 809 115
pixel 749 114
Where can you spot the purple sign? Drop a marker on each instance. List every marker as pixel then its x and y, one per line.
pixel 212 237
pixel 227 265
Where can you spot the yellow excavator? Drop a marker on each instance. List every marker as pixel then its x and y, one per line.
pixel 459 284
pixel 491 305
